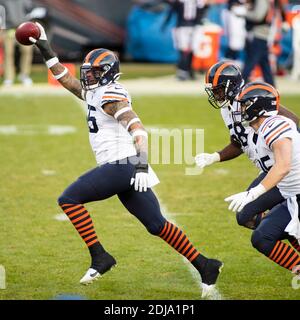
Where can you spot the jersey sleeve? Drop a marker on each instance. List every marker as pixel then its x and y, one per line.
pixel 114 93
pixel 275 130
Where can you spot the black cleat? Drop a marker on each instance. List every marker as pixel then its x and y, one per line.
pixel 100 264
pixel 209 275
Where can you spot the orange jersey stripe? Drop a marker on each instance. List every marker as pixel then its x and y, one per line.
pixel 115 97
pixel 268 122
pixel 282 127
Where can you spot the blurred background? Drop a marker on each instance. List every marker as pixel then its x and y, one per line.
pixel 143 31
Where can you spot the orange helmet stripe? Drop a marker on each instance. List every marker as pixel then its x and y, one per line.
pixel 262 86
pixel 208 73
pixel 87 58
pixel 101 57
pixel 218 72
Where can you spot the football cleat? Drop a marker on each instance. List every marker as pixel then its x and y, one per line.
pixel 209 276
pixel 90 276
pixel 101 264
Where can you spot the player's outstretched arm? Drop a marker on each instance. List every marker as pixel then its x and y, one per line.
pixel 59 72
pixel 231 151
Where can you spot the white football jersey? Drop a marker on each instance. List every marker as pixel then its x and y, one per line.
pixel 109 140
pixel 273 129
pixel 246 136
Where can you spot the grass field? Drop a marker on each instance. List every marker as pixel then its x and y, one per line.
pixel 45 257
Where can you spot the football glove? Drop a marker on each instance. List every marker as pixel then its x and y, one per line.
pixel 239 200
pixel 140 178
pixel 43 44
pixel 206 159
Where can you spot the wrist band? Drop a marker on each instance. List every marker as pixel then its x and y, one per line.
pixel 123 110
pixel 58 76
pixel 51 62
pixel 140 132
pixel 132 121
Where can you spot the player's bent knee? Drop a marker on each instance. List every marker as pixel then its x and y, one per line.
pixel 155 228
pixel 240 219
pixel 262 243
pixel 64 199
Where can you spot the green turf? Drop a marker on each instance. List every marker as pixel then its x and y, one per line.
pixel 44 257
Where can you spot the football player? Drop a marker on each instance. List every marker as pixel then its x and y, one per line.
pixel 223 83
pixel 278 152
pixel 119 142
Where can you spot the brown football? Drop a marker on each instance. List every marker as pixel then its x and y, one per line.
pixel 26 30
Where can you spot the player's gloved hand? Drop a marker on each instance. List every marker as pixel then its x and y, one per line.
pixel 206 159
pixel 43 44
pixel 140 178
pixel 239 200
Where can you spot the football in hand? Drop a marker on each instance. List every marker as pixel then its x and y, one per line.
pixel 26 30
